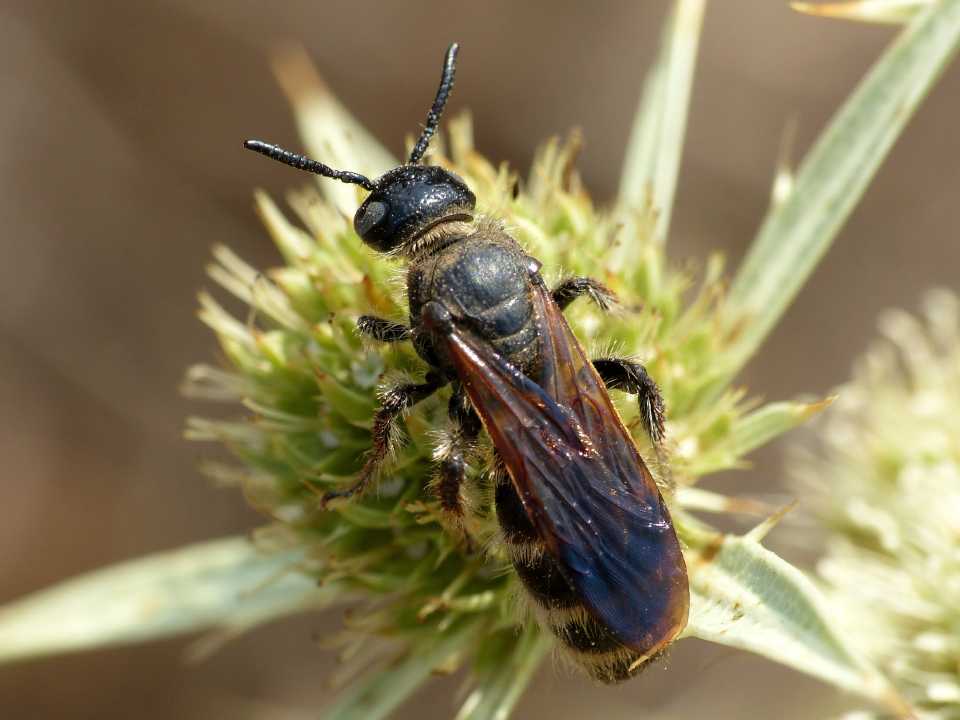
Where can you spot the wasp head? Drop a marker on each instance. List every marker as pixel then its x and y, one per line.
pixel 408 201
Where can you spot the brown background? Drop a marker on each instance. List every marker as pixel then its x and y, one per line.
pixel 120 125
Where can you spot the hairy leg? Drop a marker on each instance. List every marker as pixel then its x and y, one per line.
pixel 573 287
pixel 453 466
pixel 630 376
pixel 382 329
pixel 392 405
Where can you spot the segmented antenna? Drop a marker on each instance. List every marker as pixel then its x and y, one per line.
pixel 304 163
pixel 436 110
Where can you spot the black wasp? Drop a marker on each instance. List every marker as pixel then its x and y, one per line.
pixel 582 519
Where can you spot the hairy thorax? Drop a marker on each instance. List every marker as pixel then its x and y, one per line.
pixel 482 276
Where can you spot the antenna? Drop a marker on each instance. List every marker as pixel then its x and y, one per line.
pixel 436 110
pixel 304 163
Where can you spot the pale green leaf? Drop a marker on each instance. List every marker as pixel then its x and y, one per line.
pixel 379 693
pixel 745 596
pixel 885 12
pixel 221 583
pixel 772 420
pixel 496 694
pixel 835 173
pixel 752 431
pixel 652 158
pixel 697 499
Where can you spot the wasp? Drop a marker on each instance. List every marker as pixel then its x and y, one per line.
pixel 582 519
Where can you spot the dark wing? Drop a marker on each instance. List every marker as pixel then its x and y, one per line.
pixel 581 480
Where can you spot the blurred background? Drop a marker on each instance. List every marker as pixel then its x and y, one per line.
pixel 121 165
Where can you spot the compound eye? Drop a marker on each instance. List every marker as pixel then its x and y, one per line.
pixel 373 213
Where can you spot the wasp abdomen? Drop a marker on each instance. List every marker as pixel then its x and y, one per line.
pixel 542 578
pixel 586 640
pixel 585 635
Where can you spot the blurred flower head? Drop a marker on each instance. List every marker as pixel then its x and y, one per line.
pixel 886 486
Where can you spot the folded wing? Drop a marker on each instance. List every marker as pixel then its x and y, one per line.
pixel 582 482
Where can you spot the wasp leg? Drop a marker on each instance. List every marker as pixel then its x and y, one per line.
pixel 453 466
pixel 392 404
pixel 630 376
pixel 570 289
pixel 382 329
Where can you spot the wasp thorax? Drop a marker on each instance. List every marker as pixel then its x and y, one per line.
pixel 409 200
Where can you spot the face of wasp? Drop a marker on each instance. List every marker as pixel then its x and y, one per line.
pixel 407 201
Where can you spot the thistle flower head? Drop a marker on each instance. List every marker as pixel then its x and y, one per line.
pixel 886 485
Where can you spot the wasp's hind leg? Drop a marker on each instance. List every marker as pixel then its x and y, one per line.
pixel 630 376
pixel 382 329
pixel 392 404
pixel 452 453
pixel 573 287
